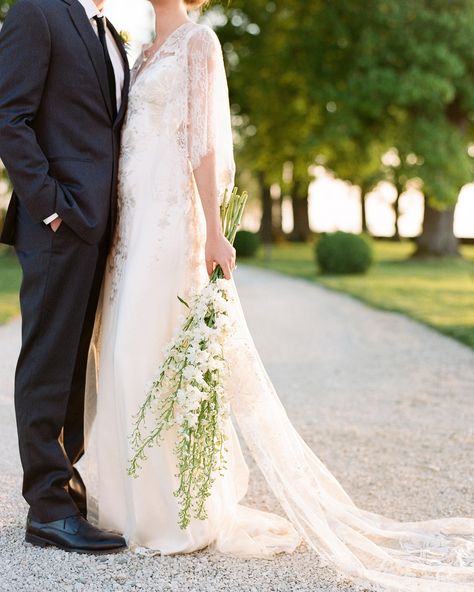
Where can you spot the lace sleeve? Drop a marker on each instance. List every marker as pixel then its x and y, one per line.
pixel 209 131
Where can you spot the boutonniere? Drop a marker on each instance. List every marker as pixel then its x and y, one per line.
pixel 126 39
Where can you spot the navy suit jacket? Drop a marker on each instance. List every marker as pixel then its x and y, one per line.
pixel 58 139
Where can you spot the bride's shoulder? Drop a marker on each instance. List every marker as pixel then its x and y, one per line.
pixel 202 37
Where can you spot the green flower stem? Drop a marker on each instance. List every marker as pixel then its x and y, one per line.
pixel 231 217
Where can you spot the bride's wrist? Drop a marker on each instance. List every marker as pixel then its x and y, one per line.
pixel 214 234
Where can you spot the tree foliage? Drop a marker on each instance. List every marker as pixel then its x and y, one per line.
pixel 351 80
pixel 345 82
pixel 413 74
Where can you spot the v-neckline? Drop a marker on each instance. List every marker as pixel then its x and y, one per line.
pixel 144 65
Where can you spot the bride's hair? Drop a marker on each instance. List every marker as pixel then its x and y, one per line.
pixel 195 3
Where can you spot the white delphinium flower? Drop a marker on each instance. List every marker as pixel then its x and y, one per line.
pixel 190 373
pixel 214 348
pixel 193 420
pixel 181 397
pixel 188 392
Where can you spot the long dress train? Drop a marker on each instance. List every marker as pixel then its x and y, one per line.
pixel 178 114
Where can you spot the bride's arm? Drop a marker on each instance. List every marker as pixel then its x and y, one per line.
pixel 218 249
pixel 210 147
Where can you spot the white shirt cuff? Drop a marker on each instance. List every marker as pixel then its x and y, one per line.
pixel 50 219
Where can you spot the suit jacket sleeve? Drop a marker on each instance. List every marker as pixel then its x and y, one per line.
pixel 25 47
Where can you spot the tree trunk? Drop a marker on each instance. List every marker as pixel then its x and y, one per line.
pixel 363 211
pixel 266 223
pixel 278 219
pixel 437 237
pixel 299 200
pixel 396 210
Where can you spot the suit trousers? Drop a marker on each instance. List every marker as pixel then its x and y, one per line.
pixel 62 277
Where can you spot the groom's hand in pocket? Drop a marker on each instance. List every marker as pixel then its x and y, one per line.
pixel 219 251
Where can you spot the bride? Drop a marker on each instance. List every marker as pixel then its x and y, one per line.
pixel 176 162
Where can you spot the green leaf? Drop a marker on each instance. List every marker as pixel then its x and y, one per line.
pixel 183 301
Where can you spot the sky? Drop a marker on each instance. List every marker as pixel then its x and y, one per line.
pixel 335 205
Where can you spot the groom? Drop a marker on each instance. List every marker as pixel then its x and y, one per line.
pixel 63 92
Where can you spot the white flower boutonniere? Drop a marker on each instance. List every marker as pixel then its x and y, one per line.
pixel 126 39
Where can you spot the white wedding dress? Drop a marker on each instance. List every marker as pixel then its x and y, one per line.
pixel 178 114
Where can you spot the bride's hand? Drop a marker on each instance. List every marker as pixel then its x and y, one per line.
pixel 219 251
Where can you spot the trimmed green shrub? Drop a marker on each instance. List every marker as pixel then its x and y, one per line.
pixel 246 243
pixel 344 252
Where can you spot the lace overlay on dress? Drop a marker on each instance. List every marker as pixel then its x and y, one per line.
pixel 180 97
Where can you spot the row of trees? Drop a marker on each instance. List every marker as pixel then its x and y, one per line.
pixel 372 89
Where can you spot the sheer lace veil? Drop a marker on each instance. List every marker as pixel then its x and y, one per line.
pixel 426 556
pixel 430 556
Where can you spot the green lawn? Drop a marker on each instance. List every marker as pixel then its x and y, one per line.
pixel 10 277
pixel 438 293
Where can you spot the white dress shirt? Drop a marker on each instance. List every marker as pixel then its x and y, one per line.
pixel 115 57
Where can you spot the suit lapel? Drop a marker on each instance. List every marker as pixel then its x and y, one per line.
pixel 93 47
pixel 126 81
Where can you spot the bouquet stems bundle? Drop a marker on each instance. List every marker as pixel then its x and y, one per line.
pixel 188 394
pixel 232 209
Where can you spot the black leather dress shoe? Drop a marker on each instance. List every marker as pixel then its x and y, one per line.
pixel 77 490
pixel 73 534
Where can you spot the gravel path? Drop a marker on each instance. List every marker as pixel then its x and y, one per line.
pixel 386 403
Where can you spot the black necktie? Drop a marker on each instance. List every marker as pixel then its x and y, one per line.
pixel 108 62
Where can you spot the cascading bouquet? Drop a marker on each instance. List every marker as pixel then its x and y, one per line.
pixel 188 392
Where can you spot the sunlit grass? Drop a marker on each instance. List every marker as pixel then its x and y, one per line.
pixel 10 277
pixel 439 293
